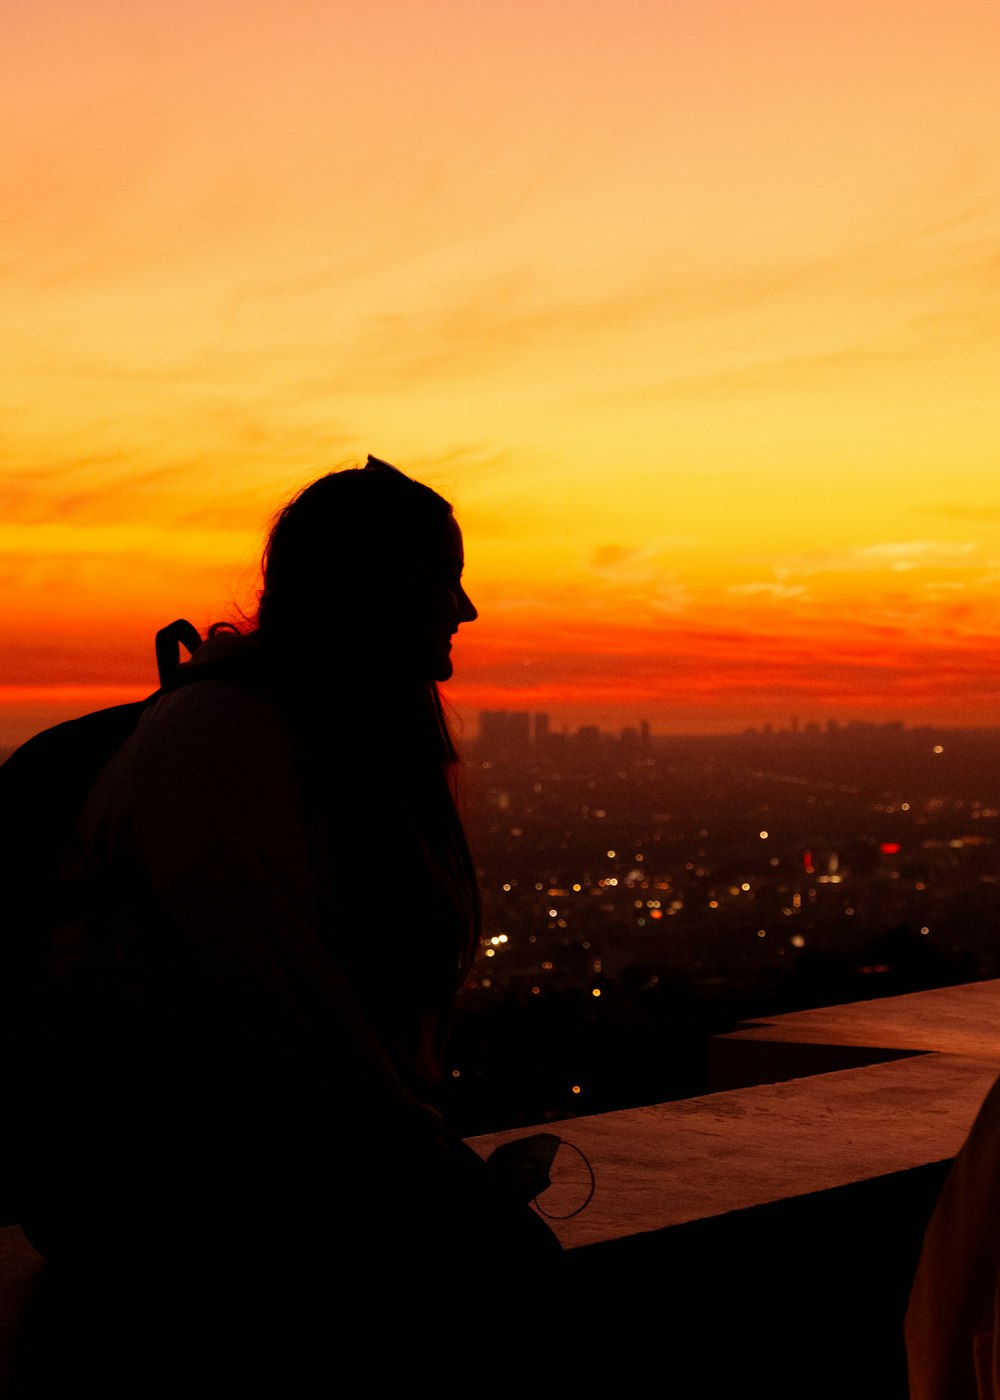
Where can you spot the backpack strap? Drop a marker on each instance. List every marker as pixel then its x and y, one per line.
pixel 169 641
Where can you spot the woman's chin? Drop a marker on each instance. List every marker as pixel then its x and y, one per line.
pixel 442 670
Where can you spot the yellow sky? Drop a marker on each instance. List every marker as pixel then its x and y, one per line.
pixel 692 308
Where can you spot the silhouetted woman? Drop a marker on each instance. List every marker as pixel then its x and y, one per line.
pixel 247 1028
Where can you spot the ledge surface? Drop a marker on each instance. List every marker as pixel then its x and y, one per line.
pixel 673 1163
pixel 962 1020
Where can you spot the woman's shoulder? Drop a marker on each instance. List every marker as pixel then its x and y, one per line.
pixel 207 752
pixel 223 684
pixel 207 696
pixel 210 715
pixel 198 745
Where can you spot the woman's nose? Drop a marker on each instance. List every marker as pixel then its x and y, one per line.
pixel 467 611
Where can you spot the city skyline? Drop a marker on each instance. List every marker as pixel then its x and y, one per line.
pixel 51 705
pixel 689 309
pixel 528 729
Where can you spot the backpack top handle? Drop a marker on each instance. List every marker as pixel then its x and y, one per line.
pixel 169 641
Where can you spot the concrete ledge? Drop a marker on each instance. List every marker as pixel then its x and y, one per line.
pixel 671 1164
pixel 962 1020
pixel 766 1236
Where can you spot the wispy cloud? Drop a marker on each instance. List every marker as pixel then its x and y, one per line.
pixel 913 552
pixel 897 556
pixel 779 592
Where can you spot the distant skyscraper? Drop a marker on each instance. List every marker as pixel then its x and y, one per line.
pixel 519 730
pixel 492 729
pixel 505 734
pixel 588 741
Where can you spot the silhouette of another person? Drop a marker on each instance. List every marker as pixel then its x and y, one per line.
pixel 953 1317
pixel 237 1178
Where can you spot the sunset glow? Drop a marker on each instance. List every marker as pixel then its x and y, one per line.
pixel 691 309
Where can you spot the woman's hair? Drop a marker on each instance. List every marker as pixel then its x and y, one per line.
pixel 343 567
pixel 344 555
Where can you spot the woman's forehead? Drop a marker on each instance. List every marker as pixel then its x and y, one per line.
pixel 453 543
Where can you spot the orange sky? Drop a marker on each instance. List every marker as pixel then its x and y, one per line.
pixel 692 309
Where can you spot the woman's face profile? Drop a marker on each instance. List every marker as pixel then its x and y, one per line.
pixel 445 603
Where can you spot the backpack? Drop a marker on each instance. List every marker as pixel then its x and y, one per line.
pixel 44 785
